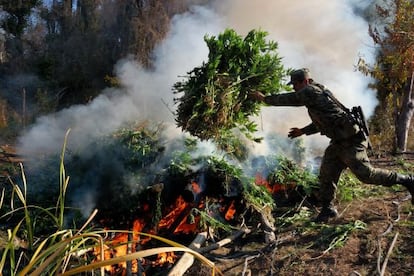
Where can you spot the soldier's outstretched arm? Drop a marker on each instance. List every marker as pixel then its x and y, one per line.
pixel 257 95
pixel 295 132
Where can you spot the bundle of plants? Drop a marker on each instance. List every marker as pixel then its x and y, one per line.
pixel 214 104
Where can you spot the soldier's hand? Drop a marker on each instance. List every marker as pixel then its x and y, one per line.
pixel 256 95
pixel 295 132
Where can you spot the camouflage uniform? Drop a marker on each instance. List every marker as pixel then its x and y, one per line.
pixel 348 145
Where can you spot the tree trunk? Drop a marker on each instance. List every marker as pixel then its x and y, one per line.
pixel 404 118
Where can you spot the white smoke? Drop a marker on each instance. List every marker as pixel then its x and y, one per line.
pixel 325 36
pixel 145 94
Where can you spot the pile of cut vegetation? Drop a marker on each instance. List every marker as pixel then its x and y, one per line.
pixel 214 104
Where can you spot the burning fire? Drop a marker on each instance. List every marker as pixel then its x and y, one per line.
pixel 230 211
pixel 165 257
pixel 179 220
pixel 195 187
pixel 185 225
pixel 273 188
pixel 121 245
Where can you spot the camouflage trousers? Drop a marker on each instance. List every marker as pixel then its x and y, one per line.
pixel 352 155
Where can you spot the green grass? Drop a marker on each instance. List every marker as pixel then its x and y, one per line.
pixel 62 251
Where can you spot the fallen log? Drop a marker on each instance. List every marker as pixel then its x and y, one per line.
pixel 225 241
pixel 186 261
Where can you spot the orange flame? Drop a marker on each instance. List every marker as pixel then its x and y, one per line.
pixel 164 258
pixel 121 245
pixel 168 220
pixel 261 181
pixel 272 188
pixel 195 187
pixel 179 217
pixel 186 227
pixel 230 212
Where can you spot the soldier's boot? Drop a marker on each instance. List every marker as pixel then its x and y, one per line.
pixel 327 212
pixel 408 182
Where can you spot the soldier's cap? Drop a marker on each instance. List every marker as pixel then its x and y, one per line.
pixel 299 75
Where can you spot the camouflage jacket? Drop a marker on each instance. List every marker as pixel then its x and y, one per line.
pixel 327 116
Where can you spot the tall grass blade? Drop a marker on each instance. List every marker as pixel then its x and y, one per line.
pixel 63 183
pixel 22 195
pixel 9 248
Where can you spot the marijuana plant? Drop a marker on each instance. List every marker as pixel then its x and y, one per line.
pixel 215 104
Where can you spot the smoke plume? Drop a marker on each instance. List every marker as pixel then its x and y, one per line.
pixel 327 39
pixel 325 36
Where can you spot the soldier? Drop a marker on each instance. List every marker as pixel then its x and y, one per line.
pixel 348 144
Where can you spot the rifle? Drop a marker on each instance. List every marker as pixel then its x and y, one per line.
pixel 359 118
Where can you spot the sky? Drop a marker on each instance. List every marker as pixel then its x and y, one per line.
pixel 325 36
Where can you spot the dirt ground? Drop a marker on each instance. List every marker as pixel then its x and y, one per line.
pixel 383 246
pixel 370 251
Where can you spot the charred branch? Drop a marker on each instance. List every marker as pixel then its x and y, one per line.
pixel 187 259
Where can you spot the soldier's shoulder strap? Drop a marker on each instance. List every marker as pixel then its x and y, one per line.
pixel 356 114
pixel 331 96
